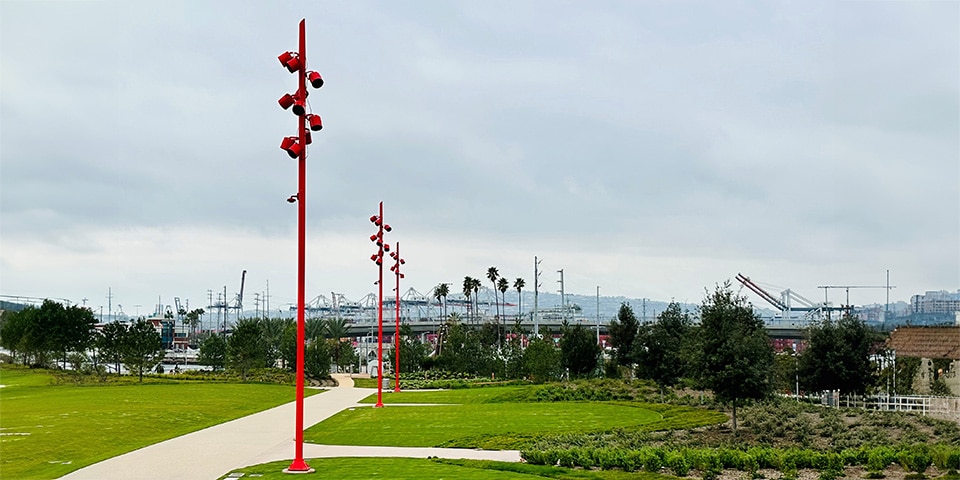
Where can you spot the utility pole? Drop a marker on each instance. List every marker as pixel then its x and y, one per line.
pixel 536 290
pixel 563 298
pixel 598 314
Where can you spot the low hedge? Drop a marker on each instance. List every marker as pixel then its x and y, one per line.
pixel 710 461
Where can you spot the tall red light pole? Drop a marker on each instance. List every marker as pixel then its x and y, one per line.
pixel 395 255
pixel 378 259
pixel 296 62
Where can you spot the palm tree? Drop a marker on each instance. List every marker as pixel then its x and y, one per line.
pixel 475 282
pixel 468 290
pixel 519 284
pixel 493 275
pixel 441 291
pixel 502 284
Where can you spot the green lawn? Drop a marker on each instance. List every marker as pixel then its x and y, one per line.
pixel 426 469
pixel 51 430
pixel 491 418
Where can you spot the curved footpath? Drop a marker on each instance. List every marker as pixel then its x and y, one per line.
pixel 263 437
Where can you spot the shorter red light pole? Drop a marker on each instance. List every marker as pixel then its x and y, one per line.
pixel 395 255
pixel 378 259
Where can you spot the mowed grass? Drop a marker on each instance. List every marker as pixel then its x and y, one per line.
pixel 487 418
pixel 47 431
pixel 427 469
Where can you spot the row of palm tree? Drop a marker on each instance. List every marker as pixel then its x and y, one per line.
pixel 471 287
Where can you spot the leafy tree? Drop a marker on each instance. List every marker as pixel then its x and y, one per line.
pixel 13 332
pixel 837 356
pixel 541 360
pixel 623 332
pixel 519 284
pixel 785 373
pixel 464 352
pixel 659 348
pixel 316 359
pixel 513 355
pixel 272 331
pixel 142 348
pixel 245 349
pixel 213 352
pixel 735 359
pixel 288 346
pixel 111 343
pixel 579 351
pixel 413 352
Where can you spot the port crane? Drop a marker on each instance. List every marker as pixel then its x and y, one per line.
pixel 788 301
pixel 848 306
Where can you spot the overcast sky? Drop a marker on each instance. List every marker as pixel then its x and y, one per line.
pixel 652 148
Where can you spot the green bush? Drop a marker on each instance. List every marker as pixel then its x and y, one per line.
pixel 679 462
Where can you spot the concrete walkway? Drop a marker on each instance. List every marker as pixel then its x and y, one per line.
pixel 263 437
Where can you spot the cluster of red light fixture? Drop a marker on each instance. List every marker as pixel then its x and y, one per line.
pixel 298 102
pixel 378 259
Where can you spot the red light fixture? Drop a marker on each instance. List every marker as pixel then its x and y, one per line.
pixel 316 124
pixel 286 101
pixel 315 79
pixel 299 108
pixel 292 146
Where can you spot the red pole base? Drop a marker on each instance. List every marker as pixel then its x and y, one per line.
pixel 396 390
pixel 378 405
pixel 298 466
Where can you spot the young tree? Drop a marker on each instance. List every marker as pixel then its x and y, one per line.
pixel 735 359
pixel 659 349
pixel 245 349
pixel 111 343
pixel 837 356
pixel 623 332
pixel 213 352
pixel 413 352
pixel 579 351
pixel 541 360
pixel 316 359
pixel 142 348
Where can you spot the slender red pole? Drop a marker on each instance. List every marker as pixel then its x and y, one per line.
pixel 396 333
pixel 299 465
pixel 380 320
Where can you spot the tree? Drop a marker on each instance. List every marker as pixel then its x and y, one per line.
pixel 493 275
pixel 111 343
pixel 623 331
pixel 659 349
pixel 541 360
pixel 13 332
pixel 519 284
pixel 142 348
pixel 578 350
pixel 272 331
pixel 413 352
pixel 837 356
pixel 245 349
pixel 468 290
pixel 475 283
pixel 734 357
pixel 335 329
pixel 213 352
pixel 502 285
pixel 316 359
pixel 440 292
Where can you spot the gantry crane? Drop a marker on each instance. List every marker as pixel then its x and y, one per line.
pixel 847 306
pixel 785 304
